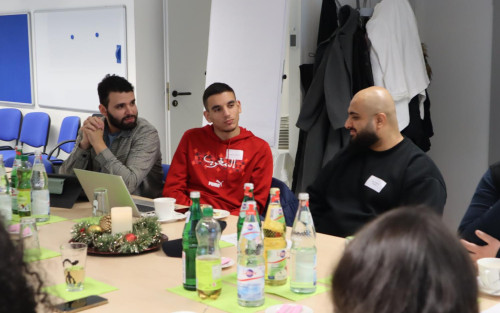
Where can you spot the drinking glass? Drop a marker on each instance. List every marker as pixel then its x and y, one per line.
pixel 100 205
pixel 73 256
pixel 28 238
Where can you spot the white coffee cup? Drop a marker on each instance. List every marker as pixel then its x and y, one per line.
pixel 164 208
pixel 489 273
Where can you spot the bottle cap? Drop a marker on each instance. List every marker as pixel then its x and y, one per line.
pixel 208 211
pixel 249 185
pixel 194 194
pixel 303 196
pixel 274 191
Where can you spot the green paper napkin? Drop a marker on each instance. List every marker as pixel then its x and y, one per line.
pixel 224 244
pixel 52 219
pixel 90 220
pixel 326 280
pixel 31 256
pixel 91 287
pixel 285 292
pixel 227 301
pixel 282 291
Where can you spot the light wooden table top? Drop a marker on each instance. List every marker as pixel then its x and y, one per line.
pixel 142 280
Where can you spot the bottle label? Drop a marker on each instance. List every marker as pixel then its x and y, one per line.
pixel 40 202
pixel 277 214
pixel 243 210
pixel 304 271
pixel 24 200
pixel 251 282
pixel 208 274
pixel 276 264
pixel 250 230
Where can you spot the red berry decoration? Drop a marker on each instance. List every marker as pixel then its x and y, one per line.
pixel 82 230
pixel 130 237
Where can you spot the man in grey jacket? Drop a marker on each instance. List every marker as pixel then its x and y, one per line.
pixel 119 143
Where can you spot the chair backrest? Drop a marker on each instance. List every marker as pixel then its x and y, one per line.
pixel 289 202
pixel 165 167
pixel 68 131
pixel 35 129
pixel 10 124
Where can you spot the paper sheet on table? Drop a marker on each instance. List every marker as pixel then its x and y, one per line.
pixel 231 238
pixel 493 309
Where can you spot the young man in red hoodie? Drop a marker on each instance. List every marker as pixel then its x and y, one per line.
pixel 219 158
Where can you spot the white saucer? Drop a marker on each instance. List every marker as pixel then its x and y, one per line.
pixel 218 214
pixel 275 308
pixel 176 217
pixel 485 290
pixel 228 264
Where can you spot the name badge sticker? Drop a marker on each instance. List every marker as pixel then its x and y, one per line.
pixel 232 154
pixel 375 183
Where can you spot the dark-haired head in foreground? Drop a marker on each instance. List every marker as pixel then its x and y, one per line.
pixel 405 261
pixel 20 288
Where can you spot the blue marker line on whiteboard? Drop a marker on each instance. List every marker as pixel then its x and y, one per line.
pixel 118 54
pixel 72 37
pixel 97 34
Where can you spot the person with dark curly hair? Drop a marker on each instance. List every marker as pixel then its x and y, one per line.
pixel 405 261
pixel 20 288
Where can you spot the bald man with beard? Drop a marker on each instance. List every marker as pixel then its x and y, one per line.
pixel 378 171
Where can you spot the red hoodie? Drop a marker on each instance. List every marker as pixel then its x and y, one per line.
pixel 219 168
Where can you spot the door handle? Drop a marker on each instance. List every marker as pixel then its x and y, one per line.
pixel 175 93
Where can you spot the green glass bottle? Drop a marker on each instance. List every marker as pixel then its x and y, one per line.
pixel 190 243
pixel 24 187
pixel 247 196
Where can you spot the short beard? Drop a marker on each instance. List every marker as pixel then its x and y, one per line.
pixel 364 140
pixel 121 124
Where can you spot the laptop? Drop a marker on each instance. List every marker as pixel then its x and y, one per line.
pixel 118 194
pixel 64 190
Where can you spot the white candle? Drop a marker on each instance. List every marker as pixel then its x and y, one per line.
pixel 121 219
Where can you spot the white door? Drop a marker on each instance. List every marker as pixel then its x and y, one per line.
pixel 187 29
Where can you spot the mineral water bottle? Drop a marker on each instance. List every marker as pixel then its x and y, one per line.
pixel 40 197
pixel 5 200
pixel 190 243
pixel 24 187
pixel 251 265
pixel 208 261
pixel 13 179
pixel 247 196
pixel 274 241
pixel 303 251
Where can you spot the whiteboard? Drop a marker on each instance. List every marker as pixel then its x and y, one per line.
pixel 246 51
pixel 74 50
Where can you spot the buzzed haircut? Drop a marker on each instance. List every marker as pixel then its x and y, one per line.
pixel 112 83
pixel 215 89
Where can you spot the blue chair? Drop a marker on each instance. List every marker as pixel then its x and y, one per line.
pixel 34 133
pixel 289 202
pixel 165 167
pixel 66 141
pixel 10 126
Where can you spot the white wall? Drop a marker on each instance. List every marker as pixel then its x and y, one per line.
pixel 144 63
pixel 458 34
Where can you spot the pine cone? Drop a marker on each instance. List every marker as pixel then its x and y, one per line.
pixel 105 223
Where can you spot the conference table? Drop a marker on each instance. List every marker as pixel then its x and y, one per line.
pixel 142 280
